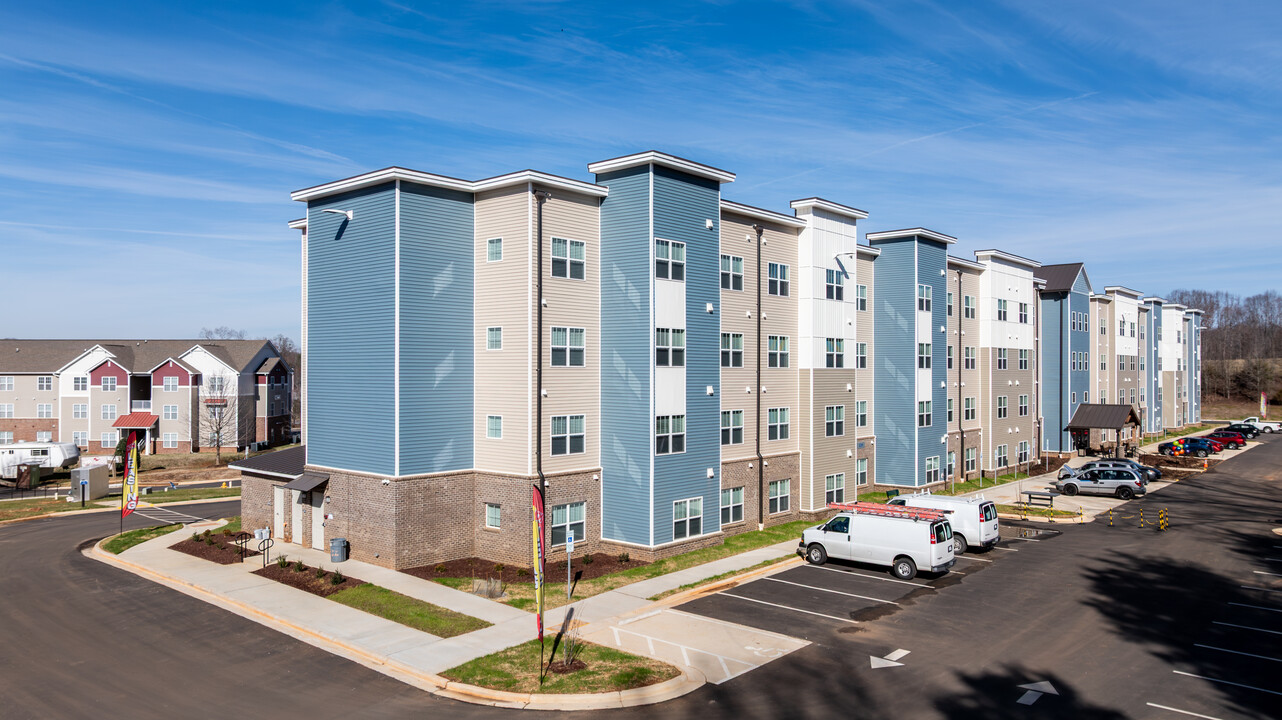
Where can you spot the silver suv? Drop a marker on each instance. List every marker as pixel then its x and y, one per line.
pixel 1146 472
pixel 1119 482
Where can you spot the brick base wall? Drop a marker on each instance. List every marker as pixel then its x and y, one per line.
pixel 256 501
pixel 25 429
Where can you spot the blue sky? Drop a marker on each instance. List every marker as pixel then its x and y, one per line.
pixel 147 150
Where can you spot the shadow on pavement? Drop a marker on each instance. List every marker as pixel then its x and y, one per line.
pixel 995 695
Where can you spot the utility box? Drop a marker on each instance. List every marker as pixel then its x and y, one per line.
pixel 90 481
pixel 337 549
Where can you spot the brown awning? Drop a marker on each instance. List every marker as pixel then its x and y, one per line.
pixel 1107 417
pixel 308 481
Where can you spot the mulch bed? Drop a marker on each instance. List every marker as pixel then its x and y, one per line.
pixel 602 564
pixel 560 667
pixel 224 551
pixel 1183 461
pixel 306 579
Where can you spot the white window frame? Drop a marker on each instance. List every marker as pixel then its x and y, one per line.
pixel 777 353
pixel 924 353
pixel 667 264
pixel 968 307
pixel 44 411
pixel 861 472
pixel 114 439
pixel 103 414
pixel 490 245
pixel 169 440
pixel 579 526
pixel 1003 407
pixel 103 384
pixel 925 413
pixel 80 411
pixel 1002 315
pixel 1001 457
pixel 493 334
pixel 731 506
pixel 778 283
pixel 494 516
pixel 493 429
pixel 835 421
pixel 6 437
pixel 861 298
pixel 732 273
pixel 570 264
pixel 779 493
pixel 861 413
pixel 834 285
pixel 835 352
pixel 1002 359
pixel 731 350
pixel 835 488
pixel 779 426
pixel 669 347
pixel 1023 359
pixel 569 349
pixel 969 409
pixel 1023 313
pixel 970 459
pixel 1023 406
pixel 80 438
pixel 687 516
pixel 932 470
pixel 169 412
pixel 80 383
pixel 968 357
pixel 861 355
pixel 169 383
pixel 731 427
pixel 44 383
pixel 6 410
pixel 673 429
pixel 569 434
pixel 925 297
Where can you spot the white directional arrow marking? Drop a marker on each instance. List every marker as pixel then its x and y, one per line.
pixel 1035 690
pixel 889 660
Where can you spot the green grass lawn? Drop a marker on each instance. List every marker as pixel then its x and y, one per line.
pixel 408 611
pixel 233 524
pixel 160 497
pixel 517 670
pixel 1036 511
pixel 17 509
pixel 123 542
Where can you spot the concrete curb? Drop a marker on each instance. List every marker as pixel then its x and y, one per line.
pixel 718 585
pixel 688 681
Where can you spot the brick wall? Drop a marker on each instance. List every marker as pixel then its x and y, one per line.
pixel 256 501
pixel 25 429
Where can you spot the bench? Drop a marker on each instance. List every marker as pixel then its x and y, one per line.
pixel 1036 498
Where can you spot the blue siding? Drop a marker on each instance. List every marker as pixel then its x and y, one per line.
pixel 895 307
pixel 436 329
pixel 1155 388
pixel 932 258
pixel 626 426
pixel 1054 367
pixel 682 204
pixel 1080 342
pixel 350 345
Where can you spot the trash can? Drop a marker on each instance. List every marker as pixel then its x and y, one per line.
pixel 337 549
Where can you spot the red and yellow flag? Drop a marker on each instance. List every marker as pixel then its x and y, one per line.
pixel 129 491
pixel 537 530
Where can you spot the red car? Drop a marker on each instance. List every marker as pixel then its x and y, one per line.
pixel 1227 438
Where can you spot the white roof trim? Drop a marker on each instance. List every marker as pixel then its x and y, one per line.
pixel 1122 290
pixel 911 232
pixel 1153 299
pixel 1176 306
pixel 206 351
pixel 77 358
pixel 299 224
pixel 966 263
pixel 868 250
pixel 1193 311
pixel 397 173
pixel 761 214
pixel 1008 257
pixel 664 159
pixel 542 178
pixel 829 206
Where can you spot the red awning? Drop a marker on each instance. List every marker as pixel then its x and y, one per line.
pixel 136 421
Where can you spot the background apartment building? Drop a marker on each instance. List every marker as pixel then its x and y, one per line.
pixel 179 395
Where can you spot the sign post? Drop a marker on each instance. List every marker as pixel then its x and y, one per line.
pixel 84 488
pixel 569 551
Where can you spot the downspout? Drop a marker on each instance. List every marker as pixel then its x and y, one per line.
pixel 540 196
pixel 761 460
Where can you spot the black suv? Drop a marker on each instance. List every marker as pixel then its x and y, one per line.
pixel 1248 431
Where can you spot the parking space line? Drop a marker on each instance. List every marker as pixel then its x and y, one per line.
pixel 835 592
pixel 1182 712
pixel 1257 587
pixel 733 626
pixel 785 607
pixel 1261 572
pixel 1237 652
pixel 1006 549
pixel 1226 682
pixel 966 557
pixel 869 577
pixel 1256 607
pixel 1247 627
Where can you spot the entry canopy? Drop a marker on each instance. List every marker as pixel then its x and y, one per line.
pixel 137 421
pixel 308 481
pixel 1107 417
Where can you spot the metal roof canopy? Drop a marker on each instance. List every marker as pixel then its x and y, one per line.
pixel 308 481
pixel 1106 417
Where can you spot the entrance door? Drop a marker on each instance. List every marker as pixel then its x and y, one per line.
pixel 280 496
pixel 296 517
pixel 318 520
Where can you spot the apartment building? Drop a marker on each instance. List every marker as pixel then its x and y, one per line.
pixel 179 395
pixel 1066 350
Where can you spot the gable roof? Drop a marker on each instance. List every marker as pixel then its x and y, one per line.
pixel 1109 417
pixel 287 463
pixel 136 356
pixel 1060 278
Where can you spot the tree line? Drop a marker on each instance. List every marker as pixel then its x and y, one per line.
pixel 1241 342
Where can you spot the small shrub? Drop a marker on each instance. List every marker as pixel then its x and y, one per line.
pixel 337 578
pixel 440 568
pixel 320 573
pixel 522 572
pixel 195 537
pixel 587 559
pixel 498 567
pixel 206 534
pixel 299 566
pixel 282 562
pixel 624 557
pixel 210 541
pixel 227 532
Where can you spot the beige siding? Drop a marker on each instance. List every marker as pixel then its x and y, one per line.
pixel 830 454
pixel 25 397
pixel 864 268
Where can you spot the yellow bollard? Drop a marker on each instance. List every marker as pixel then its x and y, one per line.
pixel 1141 517
pixel 1110 517
pixel 224 483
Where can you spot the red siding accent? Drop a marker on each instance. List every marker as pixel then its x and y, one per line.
pixel 108 368
pixel 170 369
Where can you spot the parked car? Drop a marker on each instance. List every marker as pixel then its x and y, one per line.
pixel 1267 426
pixel 1250 432
pixel 974 520
pixel 1147 472
pixel 1227 438
pixel 1200 447
pixel 1115 481
pixel 902 540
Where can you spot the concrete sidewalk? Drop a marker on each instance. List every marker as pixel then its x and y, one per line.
pixel 702 650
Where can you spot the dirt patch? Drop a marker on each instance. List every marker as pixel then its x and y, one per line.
pixel 215 547
pixel 600 564
pixel 1181 461
pixel 560 667
pixel 309 579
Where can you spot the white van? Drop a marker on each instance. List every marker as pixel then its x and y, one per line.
pixel 974 520
pixel 44 454
pixel 903 538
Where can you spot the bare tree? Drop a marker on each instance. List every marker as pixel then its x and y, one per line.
pixel 222 332
pixel 221 418
pixel 293 357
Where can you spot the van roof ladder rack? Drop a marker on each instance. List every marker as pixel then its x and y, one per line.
pixel 899 511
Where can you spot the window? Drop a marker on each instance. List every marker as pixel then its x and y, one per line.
pixel 731 272
pixel 999 457
pixel 1086 396
pixel 968 306
pixel 669 260
pixel 1001 358
pixel 687 518
pixel 1023 359
pixel 924 413
pixel 108 412
pixel 1023 313
pixel 835 352
pixel 494 516
pixel 778 280
pixel 80 438
pixel 835 420
pixel 835 488
pixel 1103 326
pixel 1001 407
pixel 731 350
pixel 861 472
pixel 950 410
pixel 1001 310
pixel 216 384
pixel 949 304
pixel 1022 457
pixel 170 383
pixel 731 505
pixel 1023 406
pixel 923 297
pixel 670 347
pixel 951 469
pixel 932 469
pixel 80 411
pixel 968 362
pixel 731 427
pixel 568 436
pixel 970 460
pixel 6 410
pixel 861 413
pixel 6 437
pixel 108 439
pixel 1131 360
pixel 833 287
pixel 568 257
pixel 568 518
pixel 1072 398
pixel 777 427
pixel 1121 328
pixel 669 434
pixel 861 355
pixel 949 358
pixel 108 384
pixel 44 383
pixel 1132 325
pixel 1132 396
pixel 923 356
pixel 494 338
pixel 777 357
pixel 44 410
pixel 1141 332
pixel 1121 396
pixel 968 408
pixel 780 496
pixel 169 440
pixel 1121 362
pixel 861 297
pixel 80 384
pixel 494 427
pixel 567 347
pixel 494 250
pixel 215 413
